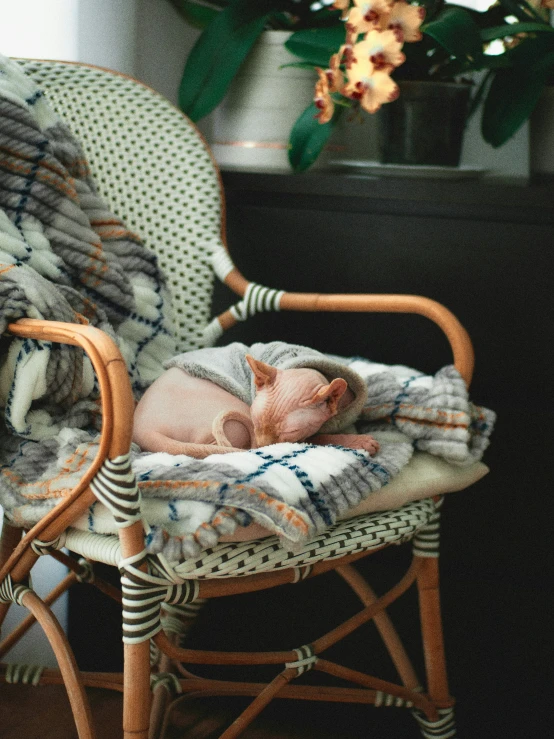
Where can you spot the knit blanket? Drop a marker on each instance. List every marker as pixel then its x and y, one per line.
pixel 64 256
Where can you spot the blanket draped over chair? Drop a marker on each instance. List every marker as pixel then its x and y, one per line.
pixel 64 256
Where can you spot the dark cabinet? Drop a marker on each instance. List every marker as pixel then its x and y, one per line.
pixel 485 250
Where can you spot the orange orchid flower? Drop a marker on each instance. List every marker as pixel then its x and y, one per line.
pixel 335 77
pixel 322 98
pixel 405 20
pixel 369 86
pixel 343 5
pixel 383 50
pixel 368 15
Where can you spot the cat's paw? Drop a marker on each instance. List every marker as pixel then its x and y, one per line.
pixel 360 441
pixel 352 441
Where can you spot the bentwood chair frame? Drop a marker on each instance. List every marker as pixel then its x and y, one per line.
pixel 431 702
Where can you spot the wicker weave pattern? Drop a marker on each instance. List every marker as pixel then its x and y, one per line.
pixel 362 533
pixel 160 179
pixel 347 537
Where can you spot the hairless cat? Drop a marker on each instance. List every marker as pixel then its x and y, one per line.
pixel 182 414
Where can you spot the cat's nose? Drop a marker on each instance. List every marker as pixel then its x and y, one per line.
pixel 265 437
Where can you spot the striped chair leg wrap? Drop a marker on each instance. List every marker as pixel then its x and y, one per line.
pixel 86 573
pixel 155 654
pixel 45 547
pixel 116 487
pixel 11 592
pixel 306 659
pixel 25 674
pixel 179 619
pixel 301 573
pixel 221 262
pixel 144 593
pixel 426 540
pixel 257 299
pixel 166 680
pixel 443 728
pixel 387 700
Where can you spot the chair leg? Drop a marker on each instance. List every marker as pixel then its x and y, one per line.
pixel 67 664
pixel 9 539
pixel 177 622
pixel 443 728
pixel 137 696
pixel 431 629
pixel 435 662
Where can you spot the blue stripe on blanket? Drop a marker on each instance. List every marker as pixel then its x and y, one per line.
pixel 301 476
pixel 28 346
pixel 29 180
pixel 399 398
pixel 34 97
pixel 366 461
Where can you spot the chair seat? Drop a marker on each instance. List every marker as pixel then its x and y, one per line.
pixel 391 515
pixel 232 559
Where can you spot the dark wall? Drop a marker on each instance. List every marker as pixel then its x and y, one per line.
pixel 485 251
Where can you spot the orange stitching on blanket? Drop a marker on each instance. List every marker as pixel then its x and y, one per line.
pixel 405 406
pixel 291 516
pixel 56 182
pixel 428 422
pixel 298 522
pixel 445 424
pixel 80 318
pixel 90 308
pixel 48 492
pixel 92 269
pixel 117 231
pixel 81 164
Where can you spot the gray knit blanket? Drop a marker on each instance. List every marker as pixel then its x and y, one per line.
pixel 64 256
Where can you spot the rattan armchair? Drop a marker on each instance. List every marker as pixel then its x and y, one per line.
pixel 156 172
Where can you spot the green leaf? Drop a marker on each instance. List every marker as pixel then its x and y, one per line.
pixel 298 65
pixel 511 99
pixel 316 45
pixel 511 29
pixel 520 9
pixel 456 31
pixel 308 137
pixel 477 97
pixel 218 53
pixel 196 15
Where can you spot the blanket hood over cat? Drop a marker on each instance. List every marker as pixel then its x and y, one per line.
pixel 227 367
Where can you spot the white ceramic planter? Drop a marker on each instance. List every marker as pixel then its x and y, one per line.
pixel 251 127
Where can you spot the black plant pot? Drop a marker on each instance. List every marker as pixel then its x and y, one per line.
pixel 425 125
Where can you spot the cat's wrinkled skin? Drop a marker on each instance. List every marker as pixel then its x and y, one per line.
pixel 292 405
pixel 181 414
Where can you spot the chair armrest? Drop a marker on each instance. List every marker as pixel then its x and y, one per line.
pixel 117 415
pixel 458 338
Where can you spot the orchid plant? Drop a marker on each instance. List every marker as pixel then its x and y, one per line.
pixel 360 70
pixel 360 49
pixel 454 42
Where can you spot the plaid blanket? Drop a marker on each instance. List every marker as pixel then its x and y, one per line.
pixel 64 256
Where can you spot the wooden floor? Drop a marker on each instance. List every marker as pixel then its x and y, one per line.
pixel 43 713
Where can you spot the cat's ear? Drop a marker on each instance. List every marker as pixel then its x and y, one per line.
pixel 332 393
pixel 264 374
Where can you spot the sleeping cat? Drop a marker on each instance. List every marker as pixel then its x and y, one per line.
pixel 182 414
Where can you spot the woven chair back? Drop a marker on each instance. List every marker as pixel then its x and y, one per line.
pixel 153 169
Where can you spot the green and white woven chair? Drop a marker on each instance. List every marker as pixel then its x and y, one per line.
pixel 156 173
